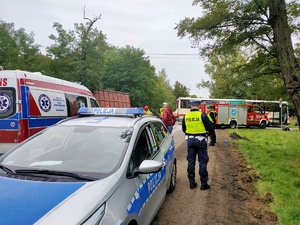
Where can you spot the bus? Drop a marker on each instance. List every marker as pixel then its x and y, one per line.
pixel 277 111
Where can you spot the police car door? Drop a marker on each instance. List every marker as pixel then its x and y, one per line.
pixel 150 192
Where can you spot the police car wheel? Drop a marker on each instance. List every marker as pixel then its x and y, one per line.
pixel 173 178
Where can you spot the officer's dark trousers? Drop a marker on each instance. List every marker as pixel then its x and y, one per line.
pixel 196 147
pixel 213 136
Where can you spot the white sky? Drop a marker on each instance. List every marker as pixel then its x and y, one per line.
pixel 145 24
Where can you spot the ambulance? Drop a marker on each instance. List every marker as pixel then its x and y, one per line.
pixel 31 101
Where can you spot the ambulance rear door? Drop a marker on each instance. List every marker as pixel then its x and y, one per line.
pixel 9 109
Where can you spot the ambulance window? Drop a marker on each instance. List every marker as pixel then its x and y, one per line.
pixel 82 101
pixel 94 103
pixel 74 102
pixel 7 102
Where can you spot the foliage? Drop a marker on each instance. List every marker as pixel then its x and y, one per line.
pixel 273 153
pixel 17 49
pixel 128 70
pixel 233 77
pixel 180 90
pixel 82 55
pixel 78 55
pixel 165 91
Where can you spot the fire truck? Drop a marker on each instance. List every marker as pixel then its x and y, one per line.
pixel 238 113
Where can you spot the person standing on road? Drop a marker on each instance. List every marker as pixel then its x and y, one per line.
pixel 212 116
pixel 168 118
pixel 195 125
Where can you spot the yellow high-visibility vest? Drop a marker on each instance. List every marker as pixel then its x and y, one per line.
pixel 193 123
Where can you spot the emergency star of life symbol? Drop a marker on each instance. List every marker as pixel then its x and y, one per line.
pixel 5 103
pixel 44 103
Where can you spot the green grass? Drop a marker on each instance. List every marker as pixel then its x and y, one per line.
pixel 275 156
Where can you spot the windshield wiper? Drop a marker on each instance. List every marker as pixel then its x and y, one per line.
pixel 6 169
pixel 57 173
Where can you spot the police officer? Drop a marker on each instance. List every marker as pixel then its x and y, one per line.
pixel 212 116
pixel 195 125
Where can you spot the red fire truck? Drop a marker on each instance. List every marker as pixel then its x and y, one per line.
pixel 238 113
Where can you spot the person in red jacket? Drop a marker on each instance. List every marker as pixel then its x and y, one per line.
pixel 168 118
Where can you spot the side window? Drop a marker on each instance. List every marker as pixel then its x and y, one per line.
pixel 82 101
pixel 158 131
pixel 7 102
pixel 153 143
pixel 74 102
pixel 185 104
pixel 94 103
pixel 142 151
pixel 257 109
pixel 250 109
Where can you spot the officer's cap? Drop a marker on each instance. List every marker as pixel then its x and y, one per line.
pixel 193 102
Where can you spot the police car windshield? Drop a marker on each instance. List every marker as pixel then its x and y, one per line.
pixel 92 150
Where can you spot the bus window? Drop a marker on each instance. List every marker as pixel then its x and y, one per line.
pixel 185 104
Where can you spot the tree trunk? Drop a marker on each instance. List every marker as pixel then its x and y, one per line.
pixel 285 52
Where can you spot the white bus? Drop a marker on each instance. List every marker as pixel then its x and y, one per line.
pixel 274 109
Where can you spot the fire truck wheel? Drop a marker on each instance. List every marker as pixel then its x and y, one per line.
pixel 232 124
pixel 263 125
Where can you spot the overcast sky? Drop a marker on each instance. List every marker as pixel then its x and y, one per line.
pixel 145 24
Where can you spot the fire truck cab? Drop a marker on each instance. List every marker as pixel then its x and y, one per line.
pixel 238 113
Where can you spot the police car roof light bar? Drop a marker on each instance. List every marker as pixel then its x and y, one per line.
pixel 110 111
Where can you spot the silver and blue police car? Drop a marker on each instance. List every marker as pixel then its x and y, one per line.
pixel 106 166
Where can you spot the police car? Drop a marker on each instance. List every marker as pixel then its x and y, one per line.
pixel 105 166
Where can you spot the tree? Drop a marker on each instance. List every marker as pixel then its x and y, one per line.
pixel 128 70
pixel 17 50
pixel 164 90
pixel 78 55
pixel 230 78
pixel 284 51
pixel 180 90
pixel 262 26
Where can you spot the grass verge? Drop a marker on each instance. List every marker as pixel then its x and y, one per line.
pixel 275 156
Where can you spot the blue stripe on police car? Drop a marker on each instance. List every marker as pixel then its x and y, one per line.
pixel 25 202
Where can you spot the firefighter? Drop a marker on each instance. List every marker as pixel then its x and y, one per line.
pixel 195 125
pixel 212 116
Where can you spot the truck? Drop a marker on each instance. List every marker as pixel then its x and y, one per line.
pixel 238 113
pixel 112 99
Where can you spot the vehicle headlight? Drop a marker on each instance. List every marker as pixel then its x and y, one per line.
pixel 96 217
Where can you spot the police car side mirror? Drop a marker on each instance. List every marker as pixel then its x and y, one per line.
pixel 148 166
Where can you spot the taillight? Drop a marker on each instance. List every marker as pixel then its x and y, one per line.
pixel 23 130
